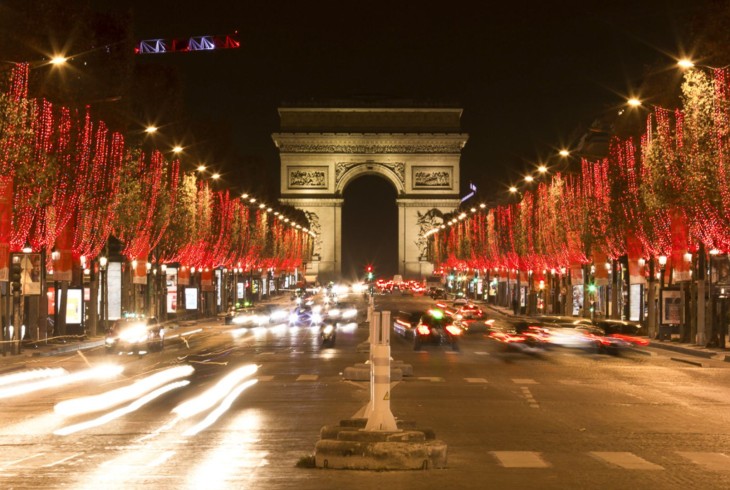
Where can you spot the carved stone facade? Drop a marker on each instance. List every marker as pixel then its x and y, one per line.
pixel 322 150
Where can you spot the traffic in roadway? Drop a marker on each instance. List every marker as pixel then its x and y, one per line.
pixel 239 402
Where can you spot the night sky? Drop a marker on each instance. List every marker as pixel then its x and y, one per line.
pixel 530 76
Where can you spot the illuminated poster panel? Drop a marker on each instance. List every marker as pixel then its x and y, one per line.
pixel 114 290
pixel 74 306
pixel 191 298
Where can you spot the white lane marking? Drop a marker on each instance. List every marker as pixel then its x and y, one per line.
pixel 61 461
pixel 475 380
pixel 625 460
pixel 524 381
pixel 10 463
pixel 711 461
pixel 480 353
pixel 161 459
pixel 433 379
pixel 307 377
pixel 265 378
pixel 520 459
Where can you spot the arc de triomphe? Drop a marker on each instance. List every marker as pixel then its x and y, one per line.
pixel 323 149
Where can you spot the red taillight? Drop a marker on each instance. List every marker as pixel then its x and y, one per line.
pixel 423 330
pixel 453 330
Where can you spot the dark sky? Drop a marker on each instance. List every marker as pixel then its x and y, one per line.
pixel 527 74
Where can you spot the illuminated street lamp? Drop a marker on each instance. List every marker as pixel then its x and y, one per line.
pixel 634 102
pixel 662 264
pixel 685 63
pixel 564 153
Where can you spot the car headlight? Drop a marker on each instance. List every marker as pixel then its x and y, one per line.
pixel 316 318
pixel 240 319
pixel 349 313
pixel 334 312
pixel 277 315
pixel 134 334
pixel 293 318
pixel 328 329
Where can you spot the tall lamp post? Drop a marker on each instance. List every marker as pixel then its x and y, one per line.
pixel 103 261
pixel 662 260
pixel 148 292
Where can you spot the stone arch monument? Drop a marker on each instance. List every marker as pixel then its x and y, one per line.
pixel 416 149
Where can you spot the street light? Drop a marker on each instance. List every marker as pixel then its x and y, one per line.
pixel 685 63
pixel 103 261
pixel 662 263
pixel 634 102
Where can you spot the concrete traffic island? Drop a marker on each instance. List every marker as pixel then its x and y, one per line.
pixel 372 439
pixel 349 446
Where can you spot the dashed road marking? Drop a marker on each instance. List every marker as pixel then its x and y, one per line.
pixel 10 463
pixel 711 461
pixel 524 381
pixel 307 377
pixel 433 379
pixel 520 459
pixel 265 378
pixel 625 460
pixel 481 353
pixel 62 460
pixel 475 380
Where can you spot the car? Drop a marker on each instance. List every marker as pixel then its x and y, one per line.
pixel 470 311
pixel 342 312
pixel 405 323
pixel 271 314
pixel 436 293
pixel 585 336
pixel 136 335
pixel 460 301
pixel 576 320
pixel 436 327
pixel 623 329
pixel 305 315
pixel 518 334
pixel 246 316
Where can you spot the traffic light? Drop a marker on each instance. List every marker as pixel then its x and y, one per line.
pixel 15 274
pixel 369 270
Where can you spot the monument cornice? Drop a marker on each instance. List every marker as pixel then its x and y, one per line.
pixel 370 143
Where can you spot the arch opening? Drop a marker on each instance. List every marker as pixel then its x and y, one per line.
pixel 369 227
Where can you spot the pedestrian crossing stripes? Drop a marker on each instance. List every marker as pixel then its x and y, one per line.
pixel 475 380
pixel 307 377
pixel 711 461
pixel 509 460
pixel 520 459
pixel 627 461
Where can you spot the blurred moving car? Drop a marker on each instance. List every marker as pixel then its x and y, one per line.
pixel 624 330
pixel 520 334
pixel 436 327
pixel 135 334
pixel 405 323
pixel 436 293
pixel 306 316
pixel 342 312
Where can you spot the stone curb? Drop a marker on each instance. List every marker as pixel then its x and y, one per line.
pixel 687 350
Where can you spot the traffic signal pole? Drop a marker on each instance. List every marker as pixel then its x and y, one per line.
pixel 15 333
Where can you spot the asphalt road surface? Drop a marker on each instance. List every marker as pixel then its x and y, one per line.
pixel 566 419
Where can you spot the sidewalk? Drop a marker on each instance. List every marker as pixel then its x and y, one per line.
pixel 669 345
